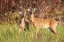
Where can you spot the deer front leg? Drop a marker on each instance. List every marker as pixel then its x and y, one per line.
pixel 19 30
pixel 36 32
pixel 22 28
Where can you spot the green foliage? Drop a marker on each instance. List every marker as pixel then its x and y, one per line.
pixel 15 15
pixel 9 33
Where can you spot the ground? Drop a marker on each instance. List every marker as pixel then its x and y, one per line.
pixel 9 33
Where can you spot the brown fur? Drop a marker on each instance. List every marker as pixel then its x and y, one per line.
pixel 44 23
pixel 24 24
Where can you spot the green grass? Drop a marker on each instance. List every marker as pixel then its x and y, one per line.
pixel 9 33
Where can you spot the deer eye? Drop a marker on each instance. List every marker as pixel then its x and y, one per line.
pixel 22 15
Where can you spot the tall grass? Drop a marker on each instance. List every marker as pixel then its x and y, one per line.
pixel 9 33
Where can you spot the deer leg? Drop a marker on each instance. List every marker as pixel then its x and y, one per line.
pixel 53 30
pixel 22 29
pixel 19 30
pixel 36 32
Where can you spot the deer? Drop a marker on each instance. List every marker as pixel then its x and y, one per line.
pixel 23 23
pixel 43 23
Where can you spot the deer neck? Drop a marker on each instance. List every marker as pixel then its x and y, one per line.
pixel 32 18
pixel 22 20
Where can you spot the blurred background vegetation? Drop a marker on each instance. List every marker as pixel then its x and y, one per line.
pixel 50 8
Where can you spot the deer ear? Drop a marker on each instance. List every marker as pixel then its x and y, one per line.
pixel 34 10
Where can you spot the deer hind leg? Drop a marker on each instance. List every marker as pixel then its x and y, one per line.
pixel 53 29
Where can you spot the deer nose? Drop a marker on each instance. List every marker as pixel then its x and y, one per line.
pixel 30 13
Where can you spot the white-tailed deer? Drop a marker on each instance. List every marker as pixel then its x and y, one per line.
pixel 24 23
pixel 43 23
